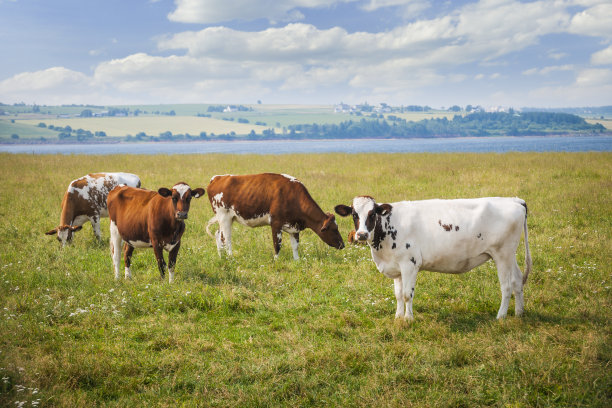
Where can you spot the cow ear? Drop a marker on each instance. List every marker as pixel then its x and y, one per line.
pixel 343 210
pixel 52 232
pixel 77 228
pixel 383 209
pixel 164 192
pixel 198 192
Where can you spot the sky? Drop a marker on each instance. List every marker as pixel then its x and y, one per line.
pixel 538 53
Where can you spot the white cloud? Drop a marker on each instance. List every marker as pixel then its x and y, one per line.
pixel 603 57
pixel 594 21
pixel 217 11
pixel 592 87
pixel 548 70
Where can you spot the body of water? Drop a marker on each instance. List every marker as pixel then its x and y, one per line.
pixel 469 144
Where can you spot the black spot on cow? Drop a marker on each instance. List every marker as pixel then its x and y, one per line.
pixel 407 245
pixel 413 260
pixel 393 246
pixel 447 227
pixel 456 228
pixel 479 236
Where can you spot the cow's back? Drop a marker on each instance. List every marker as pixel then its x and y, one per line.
pixel 256 194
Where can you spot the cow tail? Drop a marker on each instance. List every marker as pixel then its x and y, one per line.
pixel 528 263
pixel 211 222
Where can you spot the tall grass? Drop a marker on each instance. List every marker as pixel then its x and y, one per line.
pixel 251 331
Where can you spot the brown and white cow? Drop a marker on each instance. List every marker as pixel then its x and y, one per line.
pixel 85 200
pixel 149 219
pixel 277 200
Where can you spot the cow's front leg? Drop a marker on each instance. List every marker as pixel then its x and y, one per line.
pixel 277 238
pixel 172 261
pixel 409 272
pixel 399 297
pixel 128 250
pixel 159 255
pixel 295 243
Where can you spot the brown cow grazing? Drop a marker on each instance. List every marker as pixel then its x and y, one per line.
pixel 278 200
pixel 145 219
pixel 85 200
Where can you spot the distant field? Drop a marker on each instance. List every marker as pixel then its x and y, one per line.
pixel 185 120
pixel 153 125
pixel 607 123
pixel 251 331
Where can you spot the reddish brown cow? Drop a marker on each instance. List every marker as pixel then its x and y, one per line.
pixel 149 219
pixel 278 200
pixel 85 200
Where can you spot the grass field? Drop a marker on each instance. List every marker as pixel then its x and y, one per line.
pixel 251 331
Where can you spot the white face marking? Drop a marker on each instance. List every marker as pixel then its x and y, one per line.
pixel 63 235
pixel 291 178
pixel 181 189
pixel 363 206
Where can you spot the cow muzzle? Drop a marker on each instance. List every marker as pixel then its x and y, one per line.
pixel 362 236
pixel 181 215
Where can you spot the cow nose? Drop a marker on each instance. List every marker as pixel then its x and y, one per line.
pixel 362 236
pixel 181 215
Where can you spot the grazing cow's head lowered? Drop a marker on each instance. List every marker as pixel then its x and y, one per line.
pixel 366 214
pixel 181 195
pixel 329 232
pixel 64 233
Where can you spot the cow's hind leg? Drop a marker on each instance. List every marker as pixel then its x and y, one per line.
pixel 277 238
pixel 95 224
pixel 505 270
pixel 115 247
pixel 224 235
pixel 517 285
pixel 128 250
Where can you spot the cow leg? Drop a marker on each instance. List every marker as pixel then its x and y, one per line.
pixel 172 261
pixel 505 268
pixel 277 238
pixel 159 255
pixel 115 247
pixel 517 284
pixel 128 250
pixel 224 234
pixel 95 224
pixel 409 272
pixel 295 243
pixel 399 297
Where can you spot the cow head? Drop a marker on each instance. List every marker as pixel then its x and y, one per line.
pixel 181 195
pixel 329 232
pixel 64 233
pixel 366 214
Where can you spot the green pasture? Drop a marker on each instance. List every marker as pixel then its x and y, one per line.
pixel 250 331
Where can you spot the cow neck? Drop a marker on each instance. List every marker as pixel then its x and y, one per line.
pixel 315 217
pixel 67 215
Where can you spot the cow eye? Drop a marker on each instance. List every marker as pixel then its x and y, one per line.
pixel 355 216
pixel 174 199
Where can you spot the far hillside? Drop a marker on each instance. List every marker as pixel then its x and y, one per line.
pixel 22 123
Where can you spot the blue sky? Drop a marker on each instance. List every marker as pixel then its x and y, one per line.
pixel 539 53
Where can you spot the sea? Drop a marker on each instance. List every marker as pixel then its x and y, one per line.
pixel 417 145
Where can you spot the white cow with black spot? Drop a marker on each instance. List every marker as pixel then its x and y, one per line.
pixel 448 236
